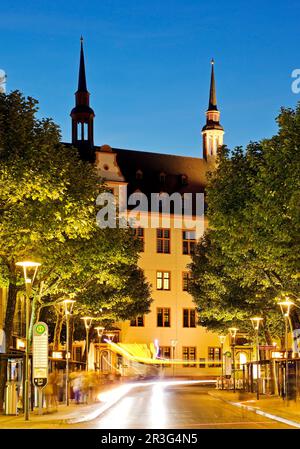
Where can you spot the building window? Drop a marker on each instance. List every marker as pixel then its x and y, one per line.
pixel 77 353
pixel 139 233
pixel 214 354
pixel 163 280
pixel 165 352
pixel 163 241
pixel 188 242
pixel 162 178
pixel 189 353
pixel 137 322
pixel 186 280
pixel 163 317
pixel 139 174
pixel 189 318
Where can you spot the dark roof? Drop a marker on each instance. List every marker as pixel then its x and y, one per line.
pixel 153 165
pixel 155 172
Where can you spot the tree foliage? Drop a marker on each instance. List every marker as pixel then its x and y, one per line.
pixel 250 256
pixel 48 213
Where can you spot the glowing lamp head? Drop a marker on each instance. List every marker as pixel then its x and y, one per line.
pixel 256 321
pixel 222 339
pixel 28 264
pixel 68 305
pixel 233 331
pixel 100 330
pixel 32 267
pixel 87 321
pixel 285 307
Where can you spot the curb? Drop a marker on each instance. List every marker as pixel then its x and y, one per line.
pixel 259 412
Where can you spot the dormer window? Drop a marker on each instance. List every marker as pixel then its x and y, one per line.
pixel 184 180
pixel 139 175
pixel 162 178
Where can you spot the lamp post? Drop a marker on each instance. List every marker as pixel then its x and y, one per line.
pixel 222 339
pixel 100 330
pixel 285 307
pixel 233 331
pixel 173 345
pixel 68 306
pixel 256 323
pixel 87 324
pixel 29 269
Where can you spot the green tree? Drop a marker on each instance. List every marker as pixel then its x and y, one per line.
pixel 48 213
pixel 250 257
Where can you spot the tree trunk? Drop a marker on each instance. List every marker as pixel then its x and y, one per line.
pixel 8 329
pixel 58 328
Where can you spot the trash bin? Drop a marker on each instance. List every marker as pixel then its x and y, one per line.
pixel 11 398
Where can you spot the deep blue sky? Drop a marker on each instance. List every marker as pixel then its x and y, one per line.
pixel 148 65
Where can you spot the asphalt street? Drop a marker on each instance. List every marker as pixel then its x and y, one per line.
pixel 162 406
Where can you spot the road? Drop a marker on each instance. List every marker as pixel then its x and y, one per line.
pixel 162 406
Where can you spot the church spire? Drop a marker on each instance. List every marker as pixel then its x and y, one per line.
pixel 212 132
pixel 81 78
pixel 82 114
pixel 212 105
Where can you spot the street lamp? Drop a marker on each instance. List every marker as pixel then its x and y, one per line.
pixel 68 306
pixel 173 345
pixel 285 307
pixel 29 269
pixel 222 339
pixel 100 330
pixel 233 331
pixel 255 324
pixel 87 324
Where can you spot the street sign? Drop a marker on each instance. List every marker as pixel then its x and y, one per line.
pixel 40 354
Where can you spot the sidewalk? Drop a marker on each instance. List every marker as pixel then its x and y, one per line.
pixel 63 414
pixel 269 406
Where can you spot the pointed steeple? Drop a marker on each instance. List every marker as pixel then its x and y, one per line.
pixel 213 131
pixel 82 114
pixel 81 78
pixel 212 105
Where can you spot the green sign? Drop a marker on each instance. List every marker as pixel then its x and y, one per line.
pixel 227 354
pixel 40 328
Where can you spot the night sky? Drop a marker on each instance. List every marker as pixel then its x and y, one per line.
pixel 148 66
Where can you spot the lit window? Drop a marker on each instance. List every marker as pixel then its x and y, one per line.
pixel 163 280
pixel 189 353
pixel 214 353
